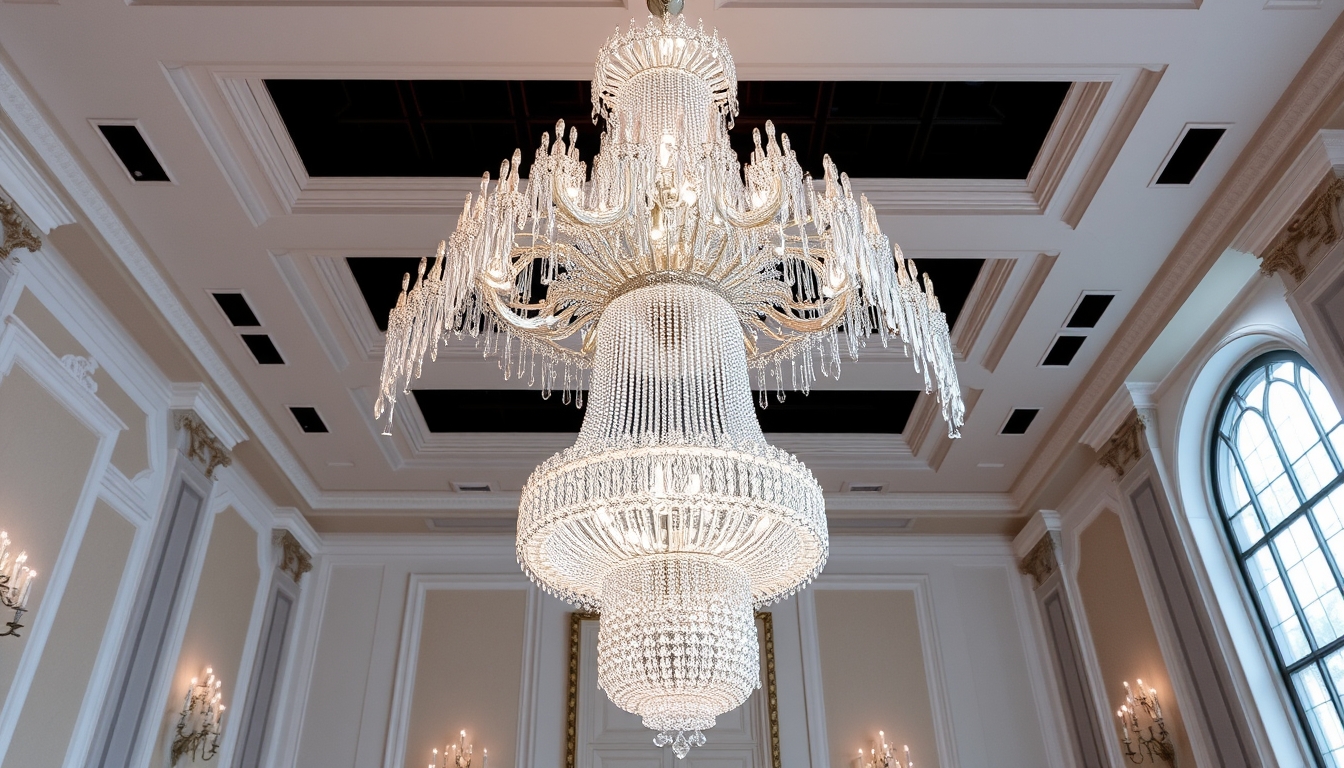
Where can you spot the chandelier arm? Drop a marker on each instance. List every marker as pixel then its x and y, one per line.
pixel 586 218
pixel 756 217
pixel 829 318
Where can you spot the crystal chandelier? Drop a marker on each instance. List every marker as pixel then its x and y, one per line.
pixel 658 281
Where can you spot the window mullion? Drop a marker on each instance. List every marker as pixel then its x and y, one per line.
pixel 1292 597
pixel 1250 490
pixel 1273 433
pixel 1316 420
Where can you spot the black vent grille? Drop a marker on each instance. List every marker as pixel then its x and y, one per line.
pixel 1019 421
pixel 133 151
pixel 1195 147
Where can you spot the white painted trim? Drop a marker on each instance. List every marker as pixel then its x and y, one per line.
pixel 403 687
pixel 1319 159
pixel 814 697
pixel 20 346
pixel 23 182
pixel 201 399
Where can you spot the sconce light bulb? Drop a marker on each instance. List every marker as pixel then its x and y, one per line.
pixel 209 670
pixel 464 734
pixel 193 681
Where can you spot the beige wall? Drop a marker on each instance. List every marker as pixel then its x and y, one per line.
pixel 341 668
pixel 1122 632
pixel 48 716
pixel 873 674
pixel 44 459
pixel 219 621
pixel 469 674
pixel 131 453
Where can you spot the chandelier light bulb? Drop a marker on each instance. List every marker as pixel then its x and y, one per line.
pixel 654 281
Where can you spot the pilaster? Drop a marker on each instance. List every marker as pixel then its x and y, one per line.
pixel 1037 548
pixel 1212 710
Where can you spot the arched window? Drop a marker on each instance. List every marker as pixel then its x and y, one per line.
pixel 1280 485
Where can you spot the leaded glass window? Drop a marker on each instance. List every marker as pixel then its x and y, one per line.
pixel 1280 482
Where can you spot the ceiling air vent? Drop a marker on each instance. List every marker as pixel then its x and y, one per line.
pixel 1062 351
pixel 236 309
pixel 1019 420
pixel 263 349
pixel 471 524
pixel 864 487
pixel 473 487
pixel 1089 309
pixel 863 525
pixel 1188 156
pixel 308 418
pixel 130 147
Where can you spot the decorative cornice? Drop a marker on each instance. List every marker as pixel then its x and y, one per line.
pixel 17 233
pixel 294 559
pixel 1125 446
pixel 202 445
pixel 1315 227
pixel 1040 562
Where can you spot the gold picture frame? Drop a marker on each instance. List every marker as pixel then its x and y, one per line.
pixel 576 619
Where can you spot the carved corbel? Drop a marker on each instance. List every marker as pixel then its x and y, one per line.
pixel 17 234
pixel 1040 563
pixel 202 446
pixel 1316 226
pixel 1125 447
pixel 294 559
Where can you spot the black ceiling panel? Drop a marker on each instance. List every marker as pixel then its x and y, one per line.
pixel 428 128
pixel 1089 310
pixel 1019 421
pixel 236 308
pixel 263 349
pixel 1190 154
pixel 134 153
pixel 1062 351
pixel 524 410
pixel 308 418
pixel 379 281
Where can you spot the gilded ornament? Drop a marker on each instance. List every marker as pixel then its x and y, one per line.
pixel 1125 446
pixel 202 446
pixel 17 234
pixel 1316 226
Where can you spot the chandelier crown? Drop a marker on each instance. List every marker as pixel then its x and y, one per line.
pixel 669 44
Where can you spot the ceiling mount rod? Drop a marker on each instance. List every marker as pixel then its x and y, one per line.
pixel 661 8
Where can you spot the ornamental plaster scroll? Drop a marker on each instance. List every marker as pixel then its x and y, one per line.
pixel 1314 229
pixel 1125 447
pixel 1040 563
pixel 294 559
pixel 82 368
pixel 202 446
pixel 16 233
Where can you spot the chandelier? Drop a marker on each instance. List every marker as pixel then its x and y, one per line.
pixel 658 281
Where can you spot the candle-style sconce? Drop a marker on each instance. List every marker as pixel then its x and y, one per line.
pixel 462 754
pixel 201 723
pixel 16 582
pixel 1148 744
pixel 880 755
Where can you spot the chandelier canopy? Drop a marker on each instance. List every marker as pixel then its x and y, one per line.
pixel 657 281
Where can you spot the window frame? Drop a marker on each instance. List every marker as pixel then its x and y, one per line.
pixel 1284 669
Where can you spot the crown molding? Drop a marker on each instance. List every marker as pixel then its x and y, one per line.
pixel 1322 157
pixel 29 189
pixel 1309 101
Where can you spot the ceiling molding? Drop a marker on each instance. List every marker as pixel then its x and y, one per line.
pixel 28 188
pixel 389 3
pixel 980 303
pixel 1313 96
pixel 1322 157
pixel 1175 5
pixel 1017 311
pixel 256 154
pixel 19 108
pixel 1145 83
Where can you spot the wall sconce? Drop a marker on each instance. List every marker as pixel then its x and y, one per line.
pixel 16 581
pixel 200 725
pixel 461 754
pixel 1145 745
pixel 881 757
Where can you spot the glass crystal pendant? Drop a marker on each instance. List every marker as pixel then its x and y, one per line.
pixel 659 280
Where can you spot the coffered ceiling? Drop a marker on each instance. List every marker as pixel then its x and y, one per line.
pixel 316 150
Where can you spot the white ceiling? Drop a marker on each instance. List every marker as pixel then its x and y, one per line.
pixel 240 214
